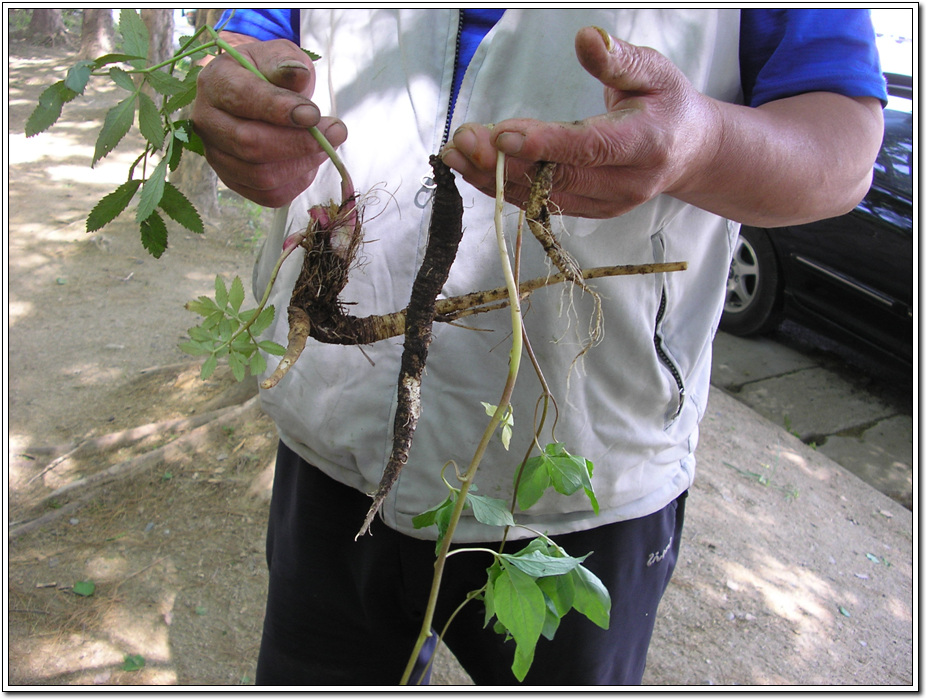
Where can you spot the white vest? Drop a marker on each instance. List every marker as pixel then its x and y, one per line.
pixel 633 405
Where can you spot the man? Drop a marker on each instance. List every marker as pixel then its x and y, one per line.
pixel 659 172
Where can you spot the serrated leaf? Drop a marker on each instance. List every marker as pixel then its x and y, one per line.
pixel 134 36
pixel 490 511
pixel 112 205
pixel 175 204
pixel 152 192
pixel 184 97
pixel 154 234
pixel 78 75
pixel 591 598
pixel 209 366
pixel 117 123
pixel 149 121
pixel 257 364
pixel 164 83
pixel 236 294
pixel 48 109
pixel 108 58
pixel 262 322
pixel 312 56
pixel 195 349
pixel 204 306
pixel 271 347
pixel 237 365
pixel 122 79
pixel 84 588
pixel 222 294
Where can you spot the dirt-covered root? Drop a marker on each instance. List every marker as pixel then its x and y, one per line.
pixel 444 233
pixel 537 214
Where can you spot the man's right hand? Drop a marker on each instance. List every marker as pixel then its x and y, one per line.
pixel 255 132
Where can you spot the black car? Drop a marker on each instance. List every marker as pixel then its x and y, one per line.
pixel 850 277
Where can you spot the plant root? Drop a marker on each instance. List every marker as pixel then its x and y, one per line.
pixel 537 214
pixel 444 233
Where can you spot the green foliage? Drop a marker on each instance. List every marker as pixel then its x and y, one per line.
pixel 530 591
pixel 166 139
pixel 558 468
pixel 84 588
pixel 507 424
pixel 227 331
pixel 133 662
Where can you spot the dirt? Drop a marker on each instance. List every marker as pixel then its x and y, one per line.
pixel 175 547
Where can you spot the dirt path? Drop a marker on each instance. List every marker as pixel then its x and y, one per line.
pixel 175 548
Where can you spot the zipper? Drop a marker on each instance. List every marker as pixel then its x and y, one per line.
pixel 450 105
pixel 667 361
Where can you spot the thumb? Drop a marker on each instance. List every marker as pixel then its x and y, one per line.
pixel 283 63
pixel 619 65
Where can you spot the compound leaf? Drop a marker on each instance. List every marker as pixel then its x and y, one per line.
pixel 164 83
pixel 112 205
pixel 149 121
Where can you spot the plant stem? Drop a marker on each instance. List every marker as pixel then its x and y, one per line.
pixel 494 422
pixel 346 182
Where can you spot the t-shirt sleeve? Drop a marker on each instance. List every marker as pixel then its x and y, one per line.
pixel 262 24
pixel 785 52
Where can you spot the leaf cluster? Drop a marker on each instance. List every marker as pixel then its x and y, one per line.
pixel 558 468
pixel 489 511
pixel 529 592
pixel 227 331
pixel 166 138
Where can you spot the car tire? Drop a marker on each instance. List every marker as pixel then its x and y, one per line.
pixel 753 301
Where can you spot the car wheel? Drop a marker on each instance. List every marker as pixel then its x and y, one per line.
pixel 752 304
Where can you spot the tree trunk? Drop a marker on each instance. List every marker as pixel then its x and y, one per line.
pixel 96 34
pixel 160 25
pixel 46 27
pixel 194 177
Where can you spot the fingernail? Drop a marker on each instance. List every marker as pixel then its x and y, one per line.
pixel 510 142
pixel 453 159
pixel 291 64
pixel 305 115
pixel 465 140
pixel 610 45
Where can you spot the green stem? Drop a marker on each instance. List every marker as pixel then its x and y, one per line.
pixel 494 422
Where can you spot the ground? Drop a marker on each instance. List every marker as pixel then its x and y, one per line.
pixel 174 543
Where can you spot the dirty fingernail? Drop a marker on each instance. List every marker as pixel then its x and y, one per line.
pixel 465 140
pixel 305 115
pixel 454 159
pixel 510 142
pixel 291 64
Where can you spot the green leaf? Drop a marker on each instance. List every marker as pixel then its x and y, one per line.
pixel 195 348
pixel 164 83
pixel 237 365
pixel 133 662
pixel 271 347
pixel 560 591
pixel 134 36
pixel 154 234
pixel 222 294
pixel 84 588
pixel 257 364
pixel 185 96
pixel 48 110
pixel 591 597
pixel 844 611
pixel 175 204
pixel 152 192
pixel 122 79
pixel 312 56
pixel 551 621
pixel 533 483
pixel 209 366
pixel 112 205
pixel 108 58
pixel 78 75
pixel 262 323
pixel 537 564
pixel 204 306
pixel 149 121
pixel 440 516
pixel 117 123
pixel 520 607
pixel 236 294
pixel 490 511
pixel 506 423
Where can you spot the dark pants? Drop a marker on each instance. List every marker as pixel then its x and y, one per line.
pixel 341 612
